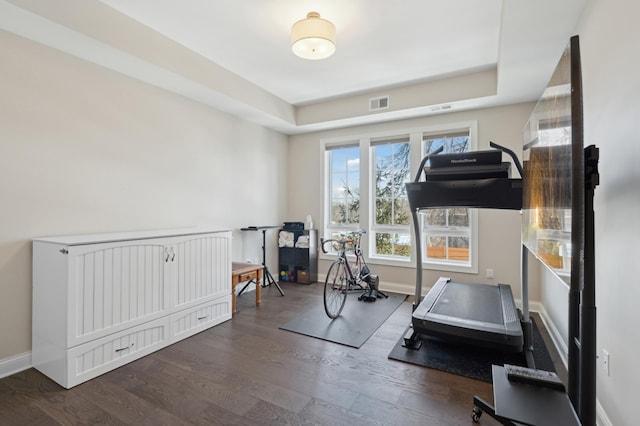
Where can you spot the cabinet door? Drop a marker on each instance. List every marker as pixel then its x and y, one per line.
pixel 114 286
pixel 201 268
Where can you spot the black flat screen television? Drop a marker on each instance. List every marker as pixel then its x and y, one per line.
pixel 558 217
pixel 553 163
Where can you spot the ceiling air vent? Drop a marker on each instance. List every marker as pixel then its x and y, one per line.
pixel 376 104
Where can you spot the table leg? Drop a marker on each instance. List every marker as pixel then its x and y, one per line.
pixel 233 297
pixel 258 287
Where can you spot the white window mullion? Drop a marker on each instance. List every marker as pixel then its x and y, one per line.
pixel 341 186
pixel 365 186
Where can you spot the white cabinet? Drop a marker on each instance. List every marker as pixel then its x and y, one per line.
pixel 100 301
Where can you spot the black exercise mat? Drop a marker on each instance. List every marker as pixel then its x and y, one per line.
pixel 469 361
pixel 357 322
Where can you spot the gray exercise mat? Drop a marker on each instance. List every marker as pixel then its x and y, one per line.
pixel 357 322
pixel 469 361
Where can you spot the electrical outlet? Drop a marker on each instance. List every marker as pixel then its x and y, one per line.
pixel 605 361
pixel 490 273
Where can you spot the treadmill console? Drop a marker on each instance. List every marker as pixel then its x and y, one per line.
pixel 467 165
pixel 469 158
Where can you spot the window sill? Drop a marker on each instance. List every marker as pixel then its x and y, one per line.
pixel 398 263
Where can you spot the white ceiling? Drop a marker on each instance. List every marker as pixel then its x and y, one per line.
pixel 381 44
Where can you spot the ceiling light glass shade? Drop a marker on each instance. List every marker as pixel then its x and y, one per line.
pixel 313 38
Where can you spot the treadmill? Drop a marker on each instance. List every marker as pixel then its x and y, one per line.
pixel 478 314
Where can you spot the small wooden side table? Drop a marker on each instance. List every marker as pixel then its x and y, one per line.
pixel 242 272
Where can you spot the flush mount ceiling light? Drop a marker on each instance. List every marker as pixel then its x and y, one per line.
pixel 313 38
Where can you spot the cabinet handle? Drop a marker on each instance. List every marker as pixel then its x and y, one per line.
pixel 171 254
pixel 201 318
pixel 124 349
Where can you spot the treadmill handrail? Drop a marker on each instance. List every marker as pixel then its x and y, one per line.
pixel 424 161
pixel 512 154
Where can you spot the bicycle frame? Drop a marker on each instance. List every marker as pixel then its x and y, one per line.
pixel 354 279
pixel 343 276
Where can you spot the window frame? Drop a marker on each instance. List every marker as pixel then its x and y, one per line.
pixel 470 266
pixel 376 228
pixel 328 228
pixel 367 198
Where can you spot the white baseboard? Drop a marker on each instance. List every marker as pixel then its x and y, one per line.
pixel 399 288
pixel 556 338
pixel 15 364
pixel 601 416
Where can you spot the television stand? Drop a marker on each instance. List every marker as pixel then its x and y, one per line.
pixel 522 403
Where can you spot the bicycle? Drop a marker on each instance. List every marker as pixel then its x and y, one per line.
pixel 344 277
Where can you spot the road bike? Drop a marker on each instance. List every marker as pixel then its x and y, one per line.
pixel 345 276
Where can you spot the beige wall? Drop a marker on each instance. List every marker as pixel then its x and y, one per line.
pixel 499 238
pixel 84 150
pixel 609 40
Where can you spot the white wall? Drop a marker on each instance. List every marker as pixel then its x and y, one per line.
pixel 499 246
pixel 610 43
pixel 84 150
pixel 554 299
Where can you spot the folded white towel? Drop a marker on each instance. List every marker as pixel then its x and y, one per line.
pixel 285 239
pixel 303 241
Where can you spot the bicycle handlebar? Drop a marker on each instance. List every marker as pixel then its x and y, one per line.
pixel 358 233
pixel 322 241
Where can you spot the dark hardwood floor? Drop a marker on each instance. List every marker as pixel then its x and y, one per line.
pixel 248 372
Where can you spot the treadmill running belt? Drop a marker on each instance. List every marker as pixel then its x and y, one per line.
pixel 470 303
pixel 477 314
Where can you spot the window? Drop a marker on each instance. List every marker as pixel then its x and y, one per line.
pixel 391 170
pixel 446 232
pixel 365 180
pixel 343 187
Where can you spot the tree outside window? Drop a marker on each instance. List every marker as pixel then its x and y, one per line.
pixel 392 215
pixel 344 189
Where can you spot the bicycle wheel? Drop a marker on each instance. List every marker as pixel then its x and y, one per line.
pixel 335 290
